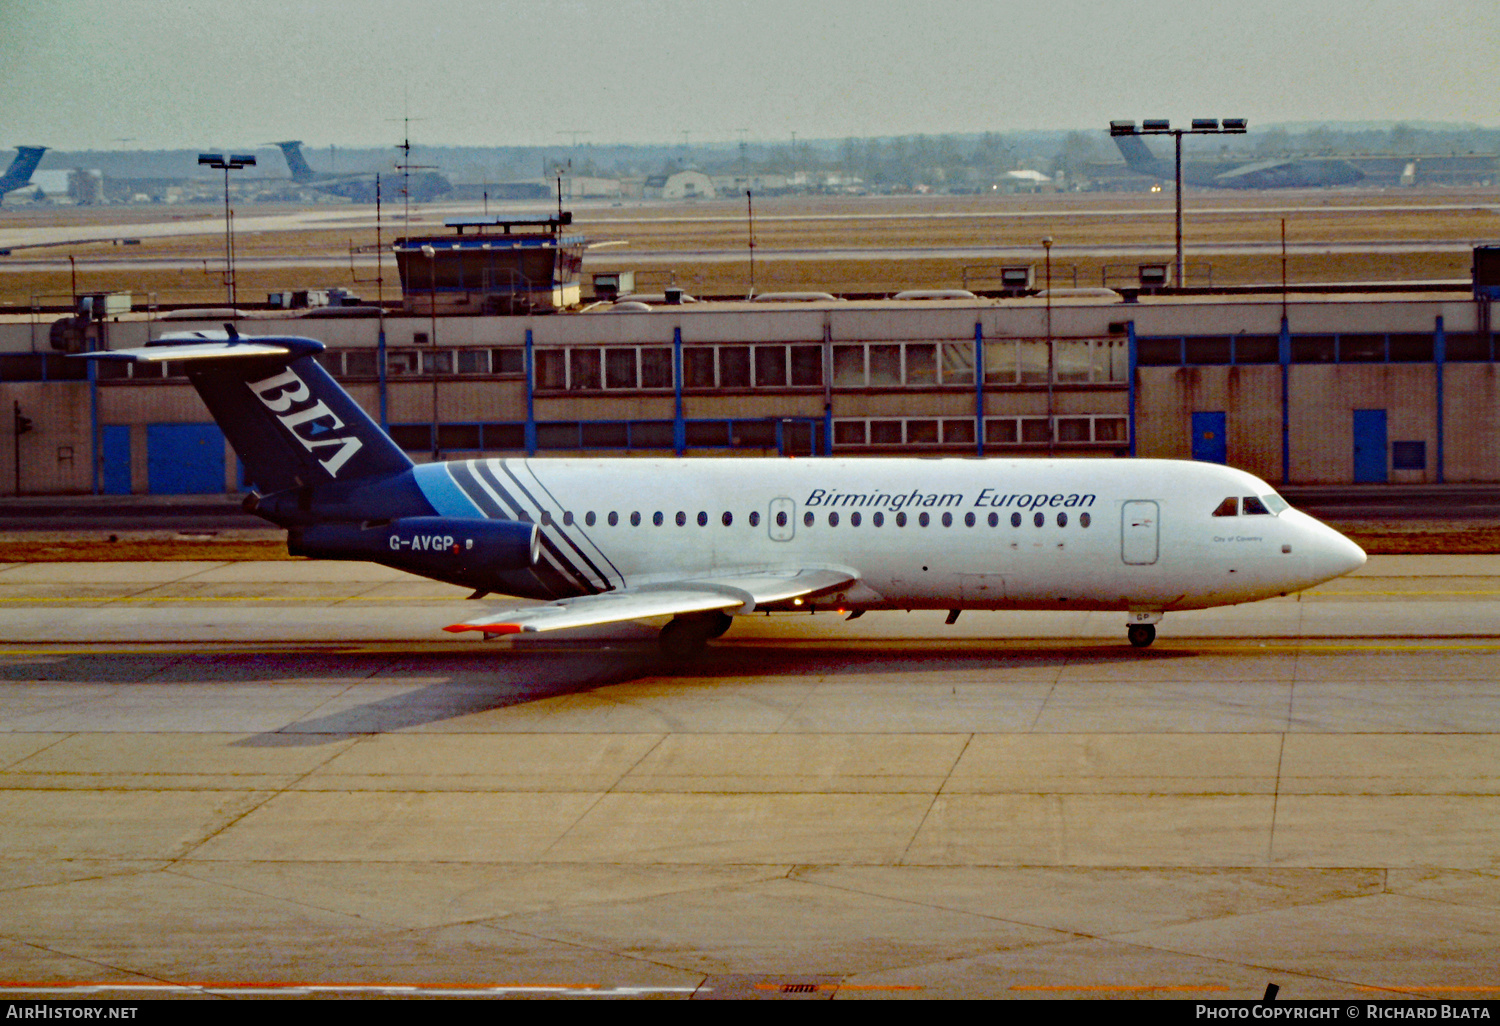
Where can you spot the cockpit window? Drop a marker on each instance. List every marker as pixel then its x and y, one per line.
pixel 1255 508
pixel 1276 503
pixel 1230 507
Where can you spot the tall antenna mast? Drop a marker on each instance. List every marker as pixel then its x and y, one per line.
pixel 406 167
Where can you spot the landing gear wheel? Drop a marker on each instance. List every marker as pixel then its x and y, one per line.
pixel 718 623
pixel 1141 634
pixel 683 638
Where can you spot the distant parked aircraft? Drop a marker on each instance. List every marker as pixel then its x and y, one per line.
pixel 1262 174
pixel 18 175
pixel 359 186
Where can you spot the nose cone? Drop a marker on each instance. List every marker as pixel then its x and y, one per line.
pixel 1333 555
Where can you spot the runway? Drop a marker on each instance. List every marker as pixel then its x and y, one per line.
pixel 283 778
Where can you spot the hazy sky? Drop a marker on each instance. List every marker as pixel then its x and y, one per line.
pixel 211 73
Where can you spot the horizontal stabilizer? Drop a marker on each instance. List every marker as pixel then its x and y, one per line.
pixel 205 351
pixel 729 593
pixel 208 345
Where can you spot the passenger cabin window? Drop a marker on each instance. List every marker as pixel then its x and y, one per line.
pixel 1230 507
pixel 1255 508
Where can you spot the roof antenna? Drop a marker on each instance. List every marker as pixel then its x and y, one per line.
pixel 234 336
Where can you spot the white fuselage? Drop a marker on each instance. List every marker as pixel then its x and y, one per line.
pixel 917 533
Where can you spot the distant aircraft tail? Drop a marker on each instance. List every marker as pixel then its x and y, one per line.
pixel 1138 157
pixel 294 428
pixel 295 162
pixel 18 175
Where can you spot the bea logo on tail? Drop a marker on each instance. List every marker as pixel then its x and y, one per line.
pixel 288 397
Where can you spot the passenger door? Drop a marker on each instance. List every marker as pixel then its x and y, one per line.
pixel 1139 532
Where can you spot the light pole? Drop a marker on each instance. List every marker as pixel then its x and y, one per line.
pixel 432 364
pixel 1051 371
pixel 227 163
pixel 1161 126
pixel 750 214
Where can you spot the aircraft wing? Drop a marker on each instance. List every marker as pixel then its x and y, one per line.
pixel 731 593
pixel 1256 168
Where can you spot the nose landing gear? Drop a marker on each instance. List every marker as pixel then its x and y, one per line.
pixel 1141 627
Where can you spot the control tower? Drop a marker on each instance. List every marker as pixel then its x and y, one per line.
pixel 492 265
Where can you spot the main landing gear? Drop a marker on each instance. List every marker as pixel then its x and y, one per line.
pixel 686 636
pixel 1141 627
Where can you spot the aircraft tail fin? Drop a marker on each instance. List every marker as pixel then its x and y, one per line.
pixel 1138 156
pixel 289 421
pixel 18 175
pixel 295 162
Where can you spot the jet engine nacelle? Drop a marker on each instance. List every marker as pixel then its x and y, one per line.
pixel 446 548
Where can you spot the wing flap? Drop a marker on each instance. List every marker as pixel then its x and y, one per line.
pixel 769 587
pixel 733 593
pixel 611 607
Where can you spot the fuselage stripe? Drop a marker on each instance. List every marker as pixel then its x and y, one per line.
pixel 550 578
pixel 615 577
pixel 463 474
pixel 575 582
pixel 596 575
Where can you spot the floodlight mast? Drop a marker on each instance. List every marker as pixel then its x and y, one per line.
pixel 227 163
pixel 1162 126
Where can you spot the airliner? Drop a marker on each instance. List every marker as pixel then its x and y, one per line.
pixel 1259 174
pixel 358 186
pixel 18 175
pixel 597 541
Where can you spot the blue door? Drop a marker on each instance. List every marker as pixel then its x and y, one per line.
pixel 1369 447
pixel 1208 437
pixel 116 452
pixel 184 459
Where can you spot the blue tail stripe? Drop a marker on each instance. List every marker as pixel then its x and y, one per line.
pixel 439 488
